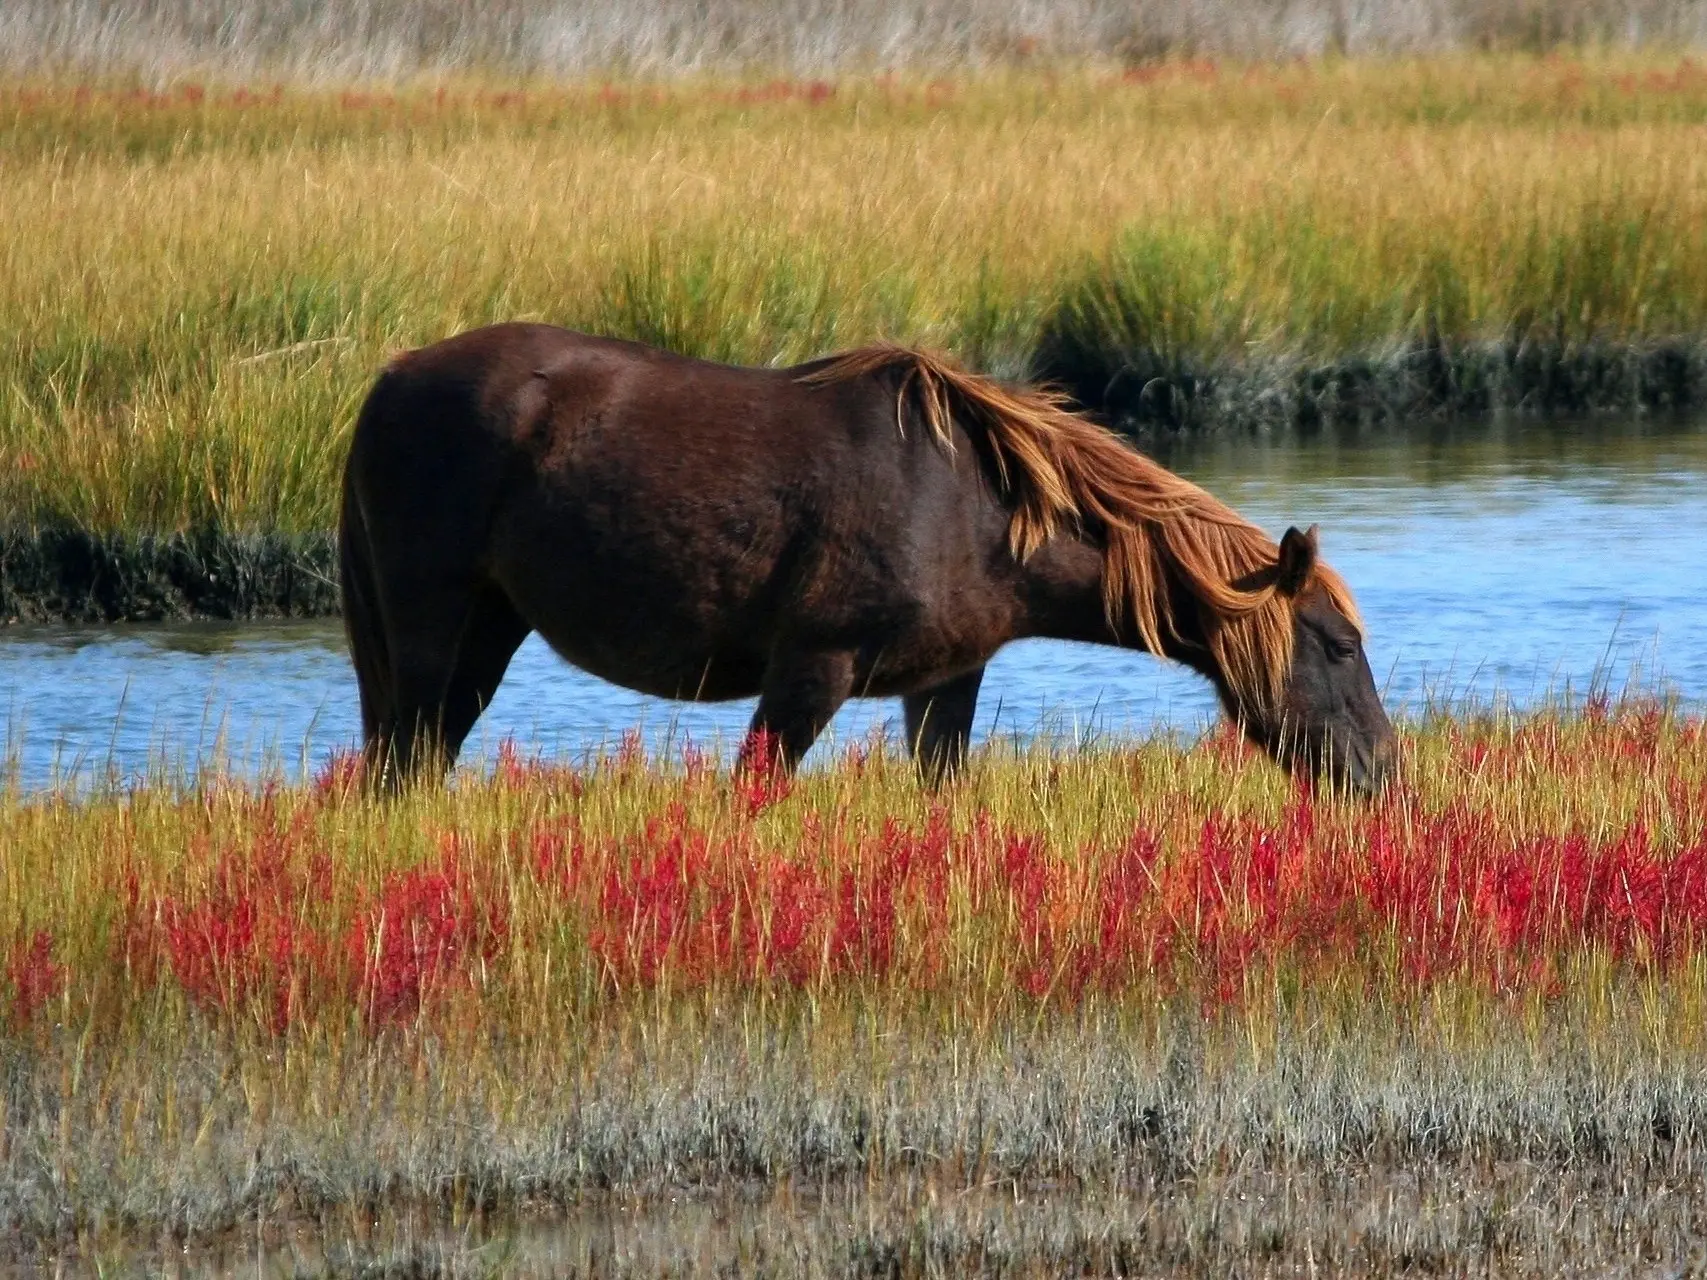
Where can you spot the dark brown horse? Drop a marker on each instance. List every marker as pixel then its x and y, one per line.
pixel 878 523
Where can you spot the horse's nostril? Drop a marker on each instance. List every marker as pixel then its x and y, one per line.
pixel 1365 768
pixel 1383 764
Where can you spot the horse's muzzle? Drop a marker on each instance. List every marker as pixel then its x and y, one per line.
pixel 1368 770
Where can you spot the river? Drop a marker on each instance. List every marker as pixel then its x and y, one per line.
pixel 1510 562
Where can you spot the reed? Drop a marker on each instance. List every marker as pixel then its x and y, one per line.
pixel 317 40
pixel 197 282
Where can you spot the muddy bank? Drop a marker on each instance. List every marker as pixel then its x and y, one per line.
pixel 73 575
pixel 1138 387
pixel 1085 1146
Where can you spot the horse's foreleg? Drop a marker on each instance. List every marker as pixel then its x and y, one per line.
pixel 939 725
pixel 800 694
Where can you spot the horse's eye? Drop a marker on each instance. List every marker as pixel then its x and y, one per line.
pixel 1341 650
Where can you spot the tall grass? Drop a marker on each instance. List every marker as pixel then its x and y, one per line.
pixel 1118 972
pixel 318 40
pixel 197 285
pixel 1516 851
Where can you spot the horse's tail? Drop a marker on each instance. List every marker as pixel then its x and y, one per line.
pixel 363 623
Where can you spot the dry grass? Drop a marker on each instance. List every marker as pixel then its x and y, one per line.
pixel 195 288
pixel 1469 1140
pixel 317 40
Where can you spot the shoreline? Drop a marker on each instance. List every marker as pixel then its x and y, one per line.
pixel 210 275
pixel 73 576
pixel 1139 390
pixel 1022 1158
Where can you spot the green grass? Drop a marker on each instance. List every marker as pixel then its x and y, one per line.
pixel 196 288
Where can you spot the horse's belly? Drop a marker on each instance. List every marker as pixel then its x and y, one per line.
pixel 639 642
pixel 691 676
pixel 642 603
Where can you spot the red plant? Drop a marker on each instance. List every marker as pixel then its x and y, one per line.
pixel 424 929
pixel 33 977
pixel 243 941
pixel 1400 893
pixel 761 779
pixel 514 771
pixel 340 776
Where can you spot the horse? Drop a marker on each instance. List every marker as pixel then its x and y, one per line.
pixel 876 523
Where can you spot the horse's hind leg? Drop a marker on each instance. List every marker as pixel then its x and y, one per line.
pixel 800 695
pixel 939 725
pixel 489 640
pixel 426 635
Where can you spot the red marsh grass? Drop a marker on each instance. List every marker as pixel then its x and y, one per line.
pixel 1521 858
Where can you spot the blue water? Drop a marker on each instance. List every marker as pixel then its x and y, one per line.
pixel 1513 563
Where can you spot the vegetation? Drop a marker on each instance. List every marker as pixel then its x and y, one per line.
pixel 197 282
pixel 1125 1010
pixel 320 40
pixel 1133 1007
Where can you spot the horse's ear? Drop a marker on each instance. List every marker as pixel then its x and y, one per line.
pixel 1297 560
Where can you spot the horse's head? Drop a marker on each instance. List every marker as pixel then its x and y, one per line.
pixel 1330 719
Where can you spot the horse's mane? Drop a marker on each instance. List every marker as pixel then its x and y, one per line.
pixel 1059 470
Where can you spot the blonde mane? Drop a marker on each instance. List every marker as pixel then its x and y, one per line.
pixel 1060 471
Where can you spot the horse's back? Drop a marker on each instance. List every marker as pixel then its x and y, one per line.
pixel 538 387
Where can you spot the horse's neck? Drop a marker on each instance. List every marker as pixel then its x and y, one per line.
pixel 1064 584
pixel 1064 600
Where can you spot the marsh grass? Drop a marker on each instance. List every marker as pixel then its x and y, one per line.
pixel 1150 991
pixel 816 1147
pixel 198 283
pixel 317 40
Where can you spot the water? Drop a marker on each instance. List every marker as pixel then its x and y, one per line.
pixel 1519 562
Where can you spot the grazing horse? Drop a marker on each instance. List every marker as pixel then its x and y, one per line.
pixel 878 523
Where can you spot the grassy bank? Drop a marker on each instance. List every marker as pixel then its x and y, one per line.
pixel 1140 1007
pixel 1555 1143
pixel 197 282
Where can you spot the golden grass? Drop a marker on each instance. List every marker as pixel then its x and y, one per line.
pixel 195 290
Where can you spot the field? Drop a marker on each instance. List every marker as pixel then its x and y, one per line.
pixel 198 281
pixel 322 41
pixel 1145 1007
pixel 1132 1008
